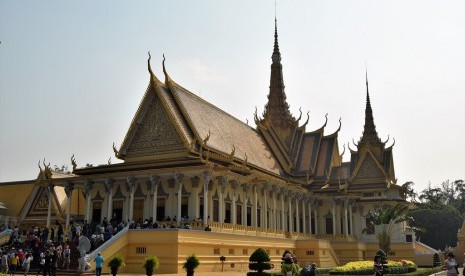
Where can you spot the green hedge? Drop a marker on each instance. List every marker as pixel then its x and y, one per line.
pixel 254 273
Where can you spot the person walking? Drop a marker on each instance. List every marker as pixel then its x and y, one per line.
pixel 66 257
pixel 41 262
pixel 98 264
pixel 27 263
pixel 14 262
pixel 450 265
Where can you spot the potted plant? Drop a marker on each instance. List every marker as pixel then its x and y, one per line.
pixel 115 263
pixel 150 264
pixel 191 263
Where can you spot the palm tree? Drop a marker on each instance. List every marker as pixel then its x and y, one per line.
pixel 386 222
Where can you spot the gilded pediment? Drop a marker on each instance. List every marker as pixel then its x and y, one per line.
pixel 155 134
pixel 369 168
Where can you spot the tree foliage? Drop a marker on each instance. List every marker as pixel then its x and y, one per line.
pixel 440 211
pixel 386 220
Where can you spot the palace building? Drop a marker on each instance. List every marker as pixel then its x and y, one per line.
pixel 277 185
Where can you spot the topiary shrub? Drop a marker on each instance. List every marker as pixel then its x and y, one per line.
pixel 383 255
pixel 259 261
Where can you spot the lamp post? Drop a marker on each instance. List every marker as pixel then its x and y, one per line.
pixel 222 260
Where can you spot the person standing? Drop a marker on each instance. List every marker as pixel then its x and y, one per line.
pixel 98 264
pixel 41 263
pixel 4 263
pixel 14 262
pixel 450 265
pixel 66 257
pixel 27 263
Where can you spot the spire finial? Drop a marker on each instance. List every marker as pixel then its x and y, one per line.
pixel 276 57
pixel 369 132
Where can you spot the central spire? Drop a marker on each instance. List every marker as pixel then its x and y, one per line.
pixel 370 135
pixel 277 108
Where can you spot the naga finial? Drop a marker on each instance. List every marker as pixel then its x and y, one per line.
pixel 340 124
pixel 115 150
pixel 326 120
pixel 308 118
pixel 300 116
pixel 73 162
pixel 233 151
pixel 109 161
pixel 204 142
pixel 344 151
pixel 353 141
pixel 384 143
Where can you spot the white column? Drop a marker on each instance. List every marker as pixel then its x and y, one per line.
pixel 154 182
pixel 346 222
pixel 109 189
pixel 246 189
pixel 49 188
pixel 351 220
pixel 291 222
pixel 69 187
pixel 334 216
pixel 275 218
pixel 206 181
pixel 283 224
pixel 131 182
pixel 88 191
pixel 297 214
pixel 255 206
pixel 309 215
pixel 316 220
pixel 304 225
pixel 222 182
pixel 178 182
pixel 234 186
pixel 266 190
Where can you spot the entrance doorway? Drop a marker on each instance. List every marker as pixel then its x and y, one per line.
pixel 117 210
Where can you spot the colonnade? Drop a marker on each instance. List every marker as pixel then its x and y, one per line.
pixel 273 206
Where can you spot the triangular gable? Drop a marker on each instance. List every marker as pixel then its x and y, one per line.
pixel 369 167
pixel 36 207
pixel 152 134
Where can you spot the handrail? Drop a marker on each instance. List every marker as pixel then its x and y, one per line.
pixel 106 244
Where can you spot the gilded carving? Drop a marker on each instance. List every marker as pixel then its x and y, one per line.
pixel 155 134
pixel 369 169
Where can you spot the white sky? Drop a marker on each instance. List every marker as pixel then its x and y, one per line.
pixel 72 73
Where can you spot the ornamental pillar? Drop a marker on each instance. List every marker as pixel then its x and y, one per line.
pixel 350 217
pixel 69 187
pixel 283 224
pixel 266 189
pixel 49 189
pixel 206 175
pixel 155 181
pixel 234 186
pixel 304 226
pixel 246 189
pixel 88 185
pixel 275 221
pixel 346 222
pixel 131 183
pixel 315 214
pixel 178 182
pixel 297 199
pixel 310 216
pixel 291 222
pixel 334 216
pixel 109 190
pixel 222 182
pixel 255 206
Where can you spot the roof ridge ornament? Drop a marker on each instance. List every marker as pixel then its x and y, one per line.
pixel 167 77
pixel 153 78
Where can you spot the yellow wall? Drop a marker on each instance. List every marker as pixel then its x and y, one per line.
pixel 14 195
pixel 173 246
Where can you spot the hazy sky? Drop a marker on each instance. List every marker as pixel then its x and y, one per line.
pixel 72 73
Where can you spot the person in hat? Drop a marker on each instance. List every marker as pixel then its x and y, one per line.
pixel 98 264
pixel 450 265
